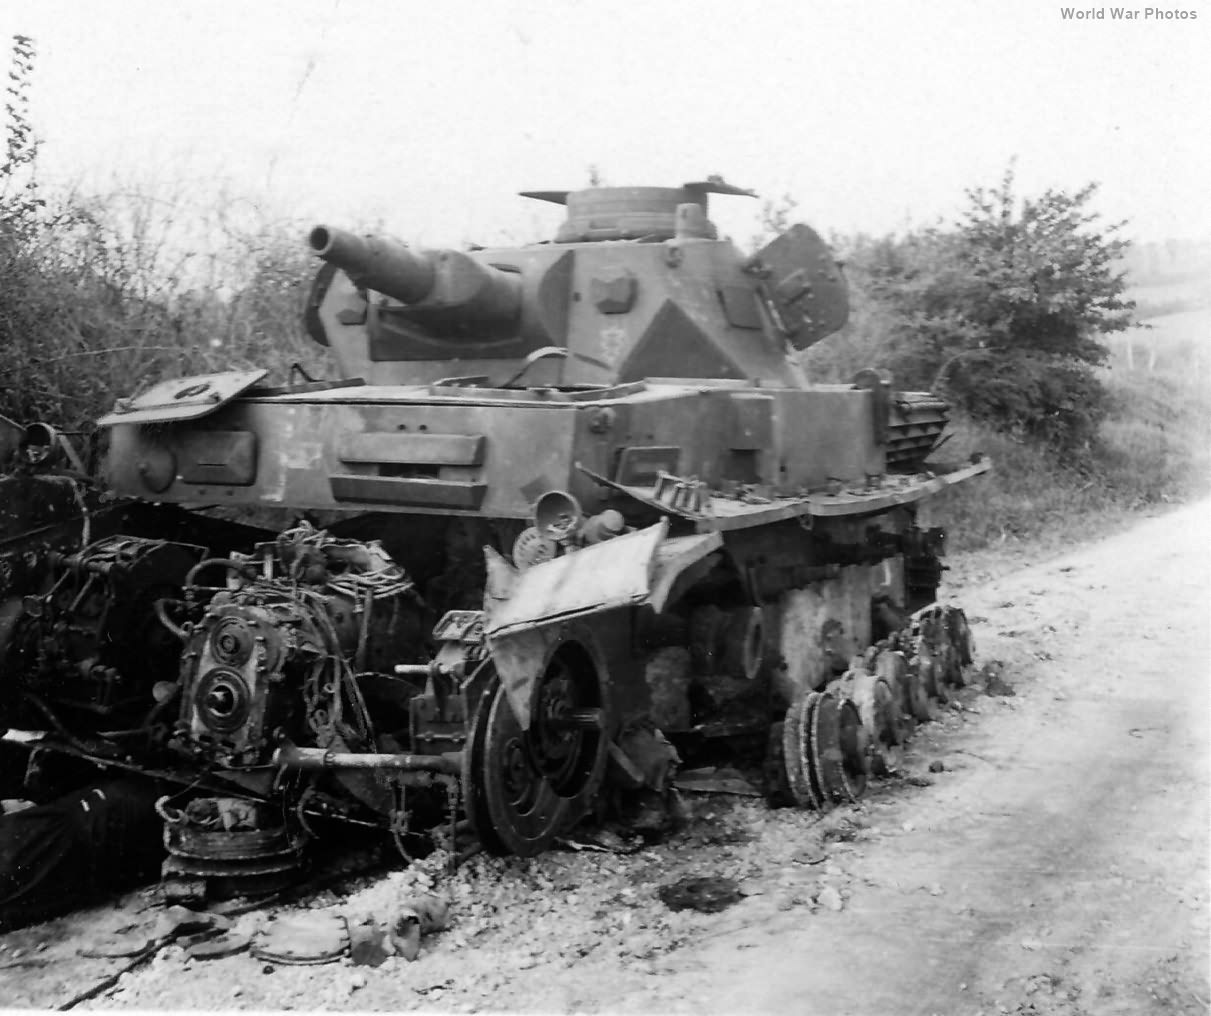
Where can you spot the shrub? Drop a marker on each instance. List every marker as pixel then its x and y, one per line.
pixel 1054 401
pixel 1005 311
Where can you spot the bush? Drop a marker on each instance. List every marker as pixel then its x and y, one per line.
pixel 1056 402
pixel 1044 277
pixel 1005 311
pixel 100 297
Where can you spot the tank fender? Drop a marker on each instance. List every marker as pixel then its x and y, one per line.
pixel 524 611
pixel 518 659
pixel 185 398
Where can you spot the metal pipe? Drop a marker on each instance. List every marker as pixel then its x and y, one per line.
pixel 62 730
pixel 161 612
pixel 413 669
pixel 293 757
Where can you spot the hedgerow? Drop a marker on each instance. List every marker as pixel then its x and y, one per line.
pixel 102 295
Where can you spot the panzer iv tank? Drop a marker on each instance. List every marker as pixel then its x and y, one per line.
pixel 579 505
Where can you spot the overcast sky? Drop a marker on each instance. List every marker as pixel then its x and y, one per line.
pixel 429 116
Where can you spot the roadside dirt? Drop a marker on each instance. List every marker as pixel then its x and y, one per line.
pixel 1057 863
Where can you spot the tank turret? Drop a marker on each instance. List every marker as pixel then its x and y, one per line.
pixel 635 284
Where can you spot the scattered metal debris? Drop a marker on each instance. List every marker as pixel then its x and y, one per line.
pixel 368 944
pixel 227 943
pixel 223 847
pixel 119 947
pixel 814 854
pixel 606 841
pixel 420 915
pixel 302 938
pixel 710 780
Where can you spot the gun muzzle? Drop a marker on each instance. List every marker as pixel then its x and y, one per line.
pixel 376 263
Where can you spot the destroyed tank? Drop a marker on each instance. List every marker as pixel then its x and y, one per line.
pixel 567 508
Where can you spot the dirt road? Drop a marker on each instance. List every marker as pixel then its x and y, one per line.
pixel 1063 866
pixel 1057 864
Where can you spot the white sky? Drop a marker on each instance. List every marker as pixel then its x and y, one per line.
pixel 428 116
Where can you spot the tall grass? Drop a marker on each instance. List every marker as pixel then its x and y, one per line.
pixel 1154 449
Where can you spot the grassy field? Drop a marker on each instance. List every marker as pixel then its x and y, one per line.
pixel 1154 450
pixel 1167 295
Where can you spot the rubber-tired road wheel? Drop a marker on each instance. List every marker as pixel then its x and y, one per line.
pixel 802 776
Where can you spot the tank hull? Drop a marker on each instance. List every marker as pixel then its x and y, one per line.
pixel 573 512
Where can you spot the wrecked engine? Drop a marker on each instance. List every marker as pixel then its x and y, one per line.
pixel 275 655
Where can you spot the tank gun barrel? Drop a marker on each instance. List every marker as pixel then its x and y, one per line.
pixel 376 262
pixel 449 285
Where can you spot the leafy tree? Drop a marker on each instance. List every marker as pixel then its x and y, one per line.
pixel 1004 311
pixel 922 284
pixel 1043 278
pixel 18 187
pixel 776 217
